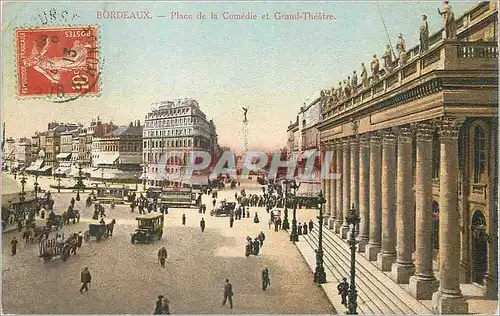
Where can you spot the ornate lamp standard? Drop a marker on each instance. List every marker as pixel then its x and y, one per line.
pixel 22 194
pixel 319 274
pixel 36 184
pixel 286 224
pixel 15 174
pixel 79 183
pixel 58 183
pixel 294 236
pixel 353 221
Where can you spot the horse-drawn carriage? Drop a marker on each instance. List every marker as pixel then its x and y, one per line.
pixel 50 249
pixel 150 227
pixel 226 209
pixel 71 215
pixel 54 220
pixel 99 231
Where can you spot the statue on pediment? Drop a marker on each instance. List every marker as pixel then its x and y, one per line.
pixel 375 65
pixel 387 58
pixel 450 31
pixel 354 82
pixel 364 76
pixel 401 48
pixel 424 34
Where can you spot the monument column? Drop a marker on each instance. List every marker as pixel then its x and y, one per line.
pixel 388 254
pixel 423 283
pixel 374 244
pixel 346 184
pixel 338 185
pixel 404 267
pixel 449 299
pixel 364 192
pixel 355 176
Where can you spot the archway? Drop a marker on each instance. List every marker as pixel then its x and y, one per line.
pixel 435 225
pixel 479 247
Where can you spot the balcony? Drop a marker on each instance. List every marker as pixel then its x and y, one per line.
pixel 443 55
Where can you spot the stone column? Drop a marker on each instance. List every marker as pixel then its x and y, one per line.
pixel 355 175
pixel 333 193
pixel 364 192
pixel 346 185
pixel 449 299
pixel 326 190
pixel 423 283
pixel 387 256
pixel 374 244
pixel 339 186
pixel 404 267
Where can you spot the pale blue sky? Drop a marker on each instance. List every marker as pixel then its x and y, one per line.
pixel 270 66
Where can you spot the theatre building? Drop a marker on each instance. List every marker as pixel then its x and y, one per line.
pixel 417 153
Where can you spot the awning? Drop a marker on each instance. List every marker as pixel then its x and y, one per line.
pixel 62 170
pixel 107 159
pixel 65 164
pixel 63 155
pixel 45 169
pixel 36 165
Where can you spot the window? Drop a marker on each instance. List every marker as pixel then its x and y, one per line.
pixel 479 154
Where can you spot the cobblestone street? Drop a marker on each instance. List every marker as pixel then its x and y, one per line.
pixel 127 278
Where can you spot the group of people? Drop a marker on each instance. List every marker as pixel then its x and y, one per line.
pixel 252 246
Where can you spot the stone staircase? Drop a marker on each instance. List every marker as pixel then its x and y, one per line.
pixel 377 293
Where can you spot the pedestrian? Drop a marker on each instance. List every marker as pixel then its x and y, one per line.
pixel 343 289
pixel 86 278
pixel 256 218
pixel 231 221
pixel 202 224
pixel 19 225
pixel 265 279
pixel 299 229
pixel 165 309
pixel 162 256
pixel 159 305
pixel 213 202
pixel 13 244
pixel 80 239
pixel 228 294
pixel 311 225
pixel 304 229
pixel 183 219
pixel 262 237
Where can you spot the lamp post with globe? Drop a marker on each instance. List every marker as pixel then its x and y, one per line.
pixel 352 220
pixel 319 274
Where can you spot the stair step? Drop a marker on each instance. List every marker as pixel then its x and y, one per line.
pixel 377 292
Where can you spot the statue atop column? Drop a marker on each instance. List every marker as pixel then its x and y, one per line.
pixel 424 34
pixel 245 114
pixel 448 21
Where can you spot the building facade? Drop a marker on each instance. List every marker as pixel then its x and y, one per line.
pixel 417 150
pixel 117 155
pixel 23 153
pixel 175 126
pixel 53 141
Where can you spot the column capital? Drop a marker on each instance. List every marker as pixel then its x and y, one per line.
pixel 354 141
pixel 449 127
pixel 364 140
pixel 404 133
pixel 388 137
pixel 346 142
pixel 375 138
pixel 424 130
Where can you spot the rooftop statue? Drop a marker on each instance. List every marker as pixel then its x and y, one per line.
pixel 354 81
pixel 364 75
pixel 450 31
pixel 387 57
pixel 401 48
pixel 424 34
pixel 375 68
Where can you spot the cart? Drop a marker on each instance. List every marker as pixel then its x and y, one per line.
pixel 98 231
pixel 49 249
pixel 150 227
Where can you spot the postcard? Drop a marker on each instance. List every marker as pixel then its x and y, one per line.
pixel 249 157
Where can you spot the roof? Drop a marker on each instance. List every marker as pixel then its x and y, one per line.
pixel 126 131
pixel 152 215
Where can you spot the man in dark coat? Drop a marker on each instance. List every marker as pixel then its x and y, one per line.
pixel 265 279
pixel 183 219
pixel 162 256
pixel 231 221
pixel 86 278
pixel 159 305
pixel 304 229
pixel 311 225
pixel 228 294
pixel 13 245
pixel 202 225
pixel 343 289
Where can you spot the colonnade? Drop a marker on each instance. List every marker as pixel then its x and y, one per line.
pixel 376 176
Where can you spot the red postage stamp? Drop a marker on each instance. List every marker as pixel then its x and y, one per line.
pixel 58 62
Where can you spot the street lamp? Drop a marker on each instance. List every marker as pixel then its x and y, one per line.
pixel 15 174
pixel 353 220
pixel 22 194
pixel 58 183
pixel 36 184
pixel 286 224
pixel 319 274
pixel 79 183
pixel 294 236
